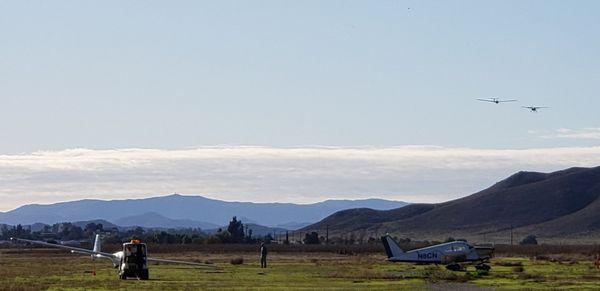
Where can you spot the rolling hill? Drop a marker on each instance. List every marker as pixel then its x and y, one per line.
pixel 184 211
pixel 155 220
pixel 562 204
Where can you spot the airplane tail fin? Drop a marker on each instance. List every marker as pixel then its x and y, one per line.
pixel 391 246
pixel 97 244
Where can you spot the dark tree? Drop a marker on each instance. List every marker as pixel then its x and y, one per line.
pixel 3 231
pixel 267 239
pixel 186 239
pixel 529 240
pixel 18 231
pixel 74 232
pixel 221 236
pixel 236 230
pixel 163 237
pixel 138 231
pixel 311 238
pixel 248 238
pixel 93 228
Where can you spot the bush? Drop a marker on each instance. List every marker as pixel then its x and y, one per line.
pixel 529 240
pixel 237 261
pixel 311 238
pixel 518 269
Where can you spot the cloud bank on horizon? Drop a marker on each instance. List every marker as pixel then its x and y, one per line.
pixel 589 133
pixel 269 174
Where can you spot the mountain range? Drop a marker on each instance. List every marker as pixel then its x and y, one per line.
pixel 558 205
pixel 186 211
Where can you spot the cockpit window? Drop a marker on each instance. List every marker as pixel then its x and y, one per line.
pixel 459 248
pixel 456 248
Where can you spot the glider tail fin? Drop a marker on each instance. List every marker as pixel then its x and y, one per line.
pixel 97 244
pixel 391 246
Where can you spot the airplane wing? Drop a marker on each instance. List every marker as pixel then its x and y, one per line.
pixel 73 249
pixel 103 254
pixel 486 100
pixel 180 262
pixel 508 100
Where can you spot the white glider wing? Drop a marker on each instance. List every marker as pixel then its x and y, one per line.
pixel 114 257
pixel 73 249
pixel 179 262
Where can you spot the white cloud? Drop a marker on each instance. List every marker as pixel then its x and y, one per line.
pixel 413 173
pixel 585 133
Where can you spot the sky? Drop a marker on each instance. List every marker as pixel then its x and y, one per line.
pixel 123 99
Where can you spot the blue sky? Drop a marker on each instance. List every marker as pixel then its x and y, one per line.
pixel 185 74
pixel 287 73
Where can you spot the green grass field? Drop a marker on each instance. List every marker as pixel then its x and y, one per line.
pixel 57 270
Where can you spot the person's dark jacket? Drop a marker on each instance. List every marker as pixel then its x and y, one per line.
pixel 263 251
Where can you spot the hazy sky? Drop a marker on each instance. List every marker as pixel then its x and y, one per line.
pixel 186 75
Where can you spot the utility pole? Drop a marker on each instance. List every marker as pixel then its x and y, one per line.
pixel 511 235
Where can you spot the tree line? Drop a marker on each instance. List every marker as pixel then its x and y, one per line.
pixel 235 232
pixel 66 231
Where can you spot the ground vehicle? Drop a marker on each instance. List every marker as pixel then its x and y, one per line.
pixel 134 262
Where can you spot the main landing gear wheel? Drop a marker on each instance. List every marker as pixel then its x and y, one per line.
pixel 454 267
pixel 144 275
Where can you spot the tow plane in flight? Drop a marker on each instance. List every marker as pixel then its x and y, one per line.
pixel 534 108
pixel 132 260
pixel 455 255
pixel 497 100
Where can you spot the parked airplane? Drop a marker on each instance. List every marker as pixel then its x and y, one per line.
pixel 452 254
pixel 131 260
pixel 534 108
pixel 496 100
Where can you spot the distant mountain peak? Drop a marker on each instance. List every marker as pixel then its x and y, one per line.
pixel 177 195
pixel 521 178
pixel 174 209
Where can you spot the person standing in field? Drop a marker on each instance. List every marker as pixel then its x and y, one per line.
pixel 263 255
pixel 597 262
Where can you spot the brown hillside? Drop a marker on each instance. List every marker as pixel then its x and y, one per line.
pixel 562 202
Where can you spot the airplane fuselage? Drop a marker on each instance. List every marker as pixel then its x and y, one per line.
pixel 451 254
pixel 442 253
